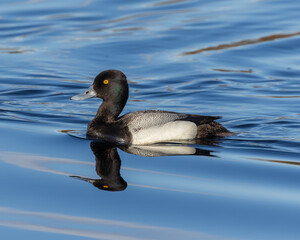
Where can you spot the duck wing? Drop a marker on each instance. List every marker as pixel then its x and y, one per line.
pixel 149 118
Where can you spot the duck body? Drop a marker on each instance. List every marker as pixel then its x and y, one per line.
pixel 141 127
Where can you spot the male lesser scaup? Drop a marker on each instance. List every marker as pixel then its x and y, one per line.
pixel 141 127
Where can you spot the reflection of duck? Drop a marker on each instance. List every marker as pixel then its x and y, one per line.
pixel 141 127
pixel 158 150
pixel 108 166
pixel 108 162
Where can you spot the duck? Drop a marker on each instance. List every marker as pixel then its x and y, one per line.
pixel 141 127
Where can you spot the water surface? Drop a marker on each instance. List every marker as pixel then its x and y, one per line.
pixel 239 60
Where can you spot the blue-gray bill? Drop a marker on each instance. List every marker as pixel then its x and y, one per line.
pixel 89 93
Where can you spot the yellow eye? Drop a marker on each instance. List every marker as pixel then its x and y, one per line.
pixel 105 81
pixel 105 186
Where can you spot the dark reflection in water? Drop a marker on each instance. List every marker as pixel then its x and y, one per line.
pixel 242 43
pixel 15 50
pixel 108 162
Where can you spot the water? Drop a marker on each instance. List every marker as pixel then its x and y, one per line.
pixel 237 59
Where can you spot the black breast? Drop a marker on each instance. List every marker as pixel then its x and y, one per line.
pixel 114 132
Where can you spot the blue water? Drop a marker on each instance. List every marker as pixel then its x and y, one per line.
pixel 236 59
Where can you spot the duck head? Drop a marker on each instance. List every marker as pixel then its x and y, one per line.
pixel 110 85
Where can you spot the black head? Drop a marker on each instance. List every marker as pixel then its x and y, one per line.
pixel 111 85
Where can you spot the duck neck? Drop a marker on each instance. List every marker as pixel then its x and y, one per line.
pixel 109 110
pixel 113 103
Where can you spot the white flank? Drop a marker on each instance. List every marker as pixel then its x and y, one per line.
pixel 177 130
